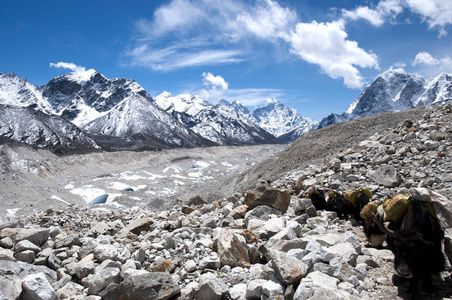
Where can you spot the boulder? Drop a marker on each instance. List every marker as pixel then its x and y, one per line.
pixel 147 285
pixel 289 270
pixel 231 248
pixel 386 175
pixel 273 197
pixel 37 287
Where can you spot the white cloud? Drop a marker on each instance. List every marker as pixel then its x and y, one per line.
pixel 268 20
pixel 175 16
pixel 70 66
pixel 364 12
pixel 253 97
pixel 210 32
pixel 424 58
pixel 176 57
pixel 376 16
pixel 437 13
pixel 217 87
pixel 215 81
pixel 326 44
pixel 430 65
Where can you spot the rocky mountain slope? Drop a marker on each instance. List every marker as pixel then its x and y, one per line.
pixel 34 128
pixel 233 248
pixel 395 90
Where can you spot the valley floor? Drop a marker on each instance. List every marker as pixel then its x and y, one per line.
pixel 34 180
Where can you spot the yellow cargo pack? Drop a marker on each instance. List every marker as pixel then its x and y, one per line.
pixel 397 206
pixel 369 210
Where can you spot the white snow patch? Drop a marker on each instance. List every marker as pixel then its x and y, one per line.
pixel 202 164
pixel 178 176
pixel 174 169
pixel 177 182
pixel 88 192
pixel 118 186
pixel 195 174
pixel 59 199
pixel 69 186
pixel 226 164
pixel 153 176
pixel 12 211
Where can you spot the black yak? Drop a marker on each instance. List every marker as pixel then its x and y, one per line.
pixel 416 244
pixel 317 197
pixel 346 205
pixel 375 236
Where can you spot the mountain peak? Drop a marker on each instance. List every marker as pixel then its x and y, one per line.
pixel 81 76
pixel 165 94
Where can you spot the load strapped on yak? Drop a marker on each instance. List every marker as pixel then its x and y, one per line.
pixel 395 207
pixel 352 196
pixel 369 210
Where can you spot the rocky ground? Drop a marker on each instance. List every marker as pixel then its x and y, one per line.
pixel 34 180
pixel 231 247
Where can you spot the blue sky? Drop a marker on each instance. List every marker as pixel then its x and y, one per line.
pixel 315 56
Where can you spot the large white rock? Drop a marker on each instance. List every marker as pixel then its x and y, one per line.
pixel 37 287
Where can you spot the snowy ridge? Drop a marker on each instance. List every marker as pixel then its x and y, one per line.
pixel 37 129
pixel 220 123
pixel 395 90
pixel 138 117
pixel 279 119
pixel 18 91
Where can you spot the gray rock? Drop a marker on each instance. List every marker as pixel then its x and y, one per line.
pixel 288 269
pixel 37 287
pixel 82 268
pixel 262 213
pixel 210 288
pixel 7 255
pixel 259 271
pixel 231 248
pixel 104 252
pixel 67 240
pixel 346 251
pixel 71 290
pixel 271 227
pixel 386 175
pixel 6 242
pixel 272 288
pixel 100 280
pixel 37 236
pixel 147 285
pixel 276 198
pixel 190 266
pixel 238 291
pixel 26 256
pixel 254 289
pixel 26 245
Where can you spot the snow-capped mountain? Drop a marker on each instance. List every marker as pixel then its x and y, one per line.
pixel 395 90
pixel 37 129
pixel 116 107
pixel 280 119
pixel 81 97
pixel 138 117
pixel 19 92
pixel 220 123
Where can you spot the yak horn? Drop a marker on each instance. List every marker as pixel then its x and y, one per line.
pixel 383 225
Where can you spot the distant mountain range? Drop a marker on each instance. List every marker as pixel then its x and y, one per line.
pixel 395 90
pixel 84 111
